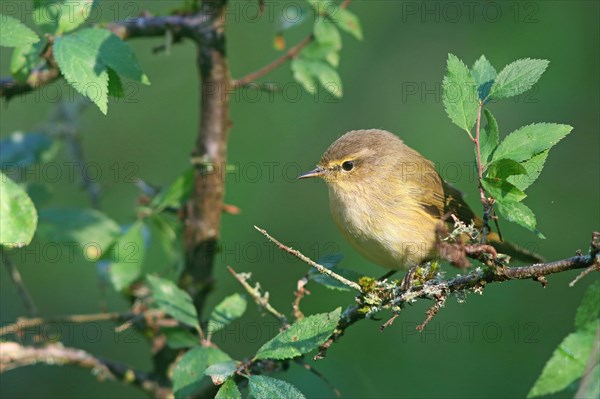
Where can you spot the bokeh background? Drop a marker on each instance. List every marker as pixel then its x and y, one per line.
pixel 493 345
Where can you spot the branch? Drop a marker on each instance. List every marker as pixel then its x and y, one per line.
pixel 260 299
pixel 306 259
pixel 15 355
pixel 180 27
pixel 15 275
pixel 289 55
pixel 23 324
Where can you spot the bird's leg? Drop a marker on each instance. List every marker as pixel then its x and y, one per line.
pixel 387 275
pixel 407 281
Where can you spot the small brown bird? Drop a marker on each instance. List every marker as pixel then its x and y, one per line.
pixel 386 198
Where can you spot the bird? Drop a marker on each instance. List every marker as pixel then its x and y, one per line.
pixel 388 200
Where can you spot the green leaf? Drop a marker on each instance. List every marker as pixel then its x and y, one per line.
pixel 225 312
pixel 566 364
pixel 459 94
pixel 347 21
pixel 517 77
pixel 78 61
pixel 326 32
pixel 24 149
pixel 189 370
pixel 484 74
pixel 46 14
pixel 13 33
pixel 115 85
pixel 126 256
pixel 527 141
pixel 301 337
pixel 488 137
pixel 502 190
pixel 219 372
pixel 19 217
pixel 321 51
pixel 175 194
pixel 263 387
pixel 589 310
pixel 533 168
pixel 25 58
pixel 179 338
pixel 503 168
pixel 114 53
pixel 91 230
pixel 307 70
pixel 173 300
pixel 85 56
pixel 229 390
pixel 520 214
pixel 72 14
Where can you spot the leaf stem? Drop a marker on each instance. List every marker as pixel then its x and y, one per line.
pixel 487 205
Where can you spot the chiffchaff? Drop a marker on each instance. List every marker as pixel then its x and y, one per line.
pixel 386 198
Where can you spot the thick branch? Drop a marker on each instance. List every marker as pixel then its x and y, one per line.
pixel 15 355
pixel 145 26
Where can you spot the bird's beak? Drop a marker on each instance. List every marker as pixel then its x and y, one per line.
pixel 317 172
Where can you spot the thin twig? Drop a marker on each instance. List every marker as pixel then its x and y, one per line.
pixel 15 355
pixel 260 299
pixel 316 372
pixel 306 259
pixel 23 324
pixel 588 377
pixel 432 311
pixel 289 55
pixel 300 292
pixel 15 275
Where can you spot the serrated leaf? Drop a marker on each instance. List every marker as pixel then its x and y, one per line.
pixel 114 53
pixel 301 337
pixel 23 149
pixel 219 372
pixel 566 364
pixel 78 62
pixel 503 168
pixel 19 216
pixel 226 311
pixel 530 140
pixel 502 190
pixel 73 13
pixel 13 33
pixel 263 387
pixel 91 230
pixel 589 309
pixel 178 338
pixel 303 74
pixel 321 51
pixel 520 214
pixel 115 85
pixel 173 300
pixel 488 138
pixel 533 168
pixel 175 194
pixel 229 390
pixel 484 74
pixel 459 94
pixel 347 21
pixel 25 59
pixel 189 370
pixel 517 77
pixel 126 257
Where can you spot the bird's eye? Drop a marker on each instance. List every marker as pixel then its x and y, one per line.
pixel 348 166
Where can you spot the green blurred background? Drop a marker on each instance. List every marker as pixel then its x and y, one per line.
pixel 493 345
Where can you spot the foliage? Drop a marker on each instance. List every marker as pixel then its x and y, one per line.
pixel 569 360
pixel 509 166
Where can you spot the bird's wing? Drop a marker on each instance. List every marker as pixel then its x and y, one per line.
pixel 454 202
